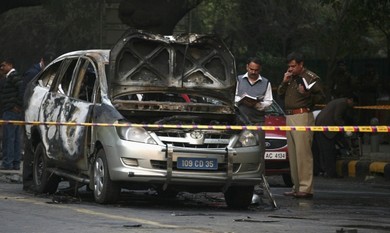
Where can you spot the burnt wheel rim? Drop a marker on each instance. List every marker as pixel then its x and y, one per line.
pixel 98 176
pixel 39 169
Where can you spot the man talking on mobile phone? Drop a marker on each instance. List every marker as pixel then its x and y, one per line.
pixel 299 101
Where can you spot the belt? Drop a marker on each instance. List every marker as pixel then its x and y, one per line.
pixel 297 111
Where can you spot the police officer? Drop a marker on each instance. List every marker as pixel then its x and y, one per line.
pixel 299 101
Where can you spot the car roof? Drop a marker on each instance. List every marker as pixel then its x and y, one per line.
pixel 97 53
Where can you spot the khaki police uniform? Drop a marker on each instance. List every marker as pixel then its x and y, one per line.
pixel 298 109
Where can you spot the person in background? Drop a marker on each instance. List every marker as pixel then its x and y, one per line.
pixel 336 113
pixel 27 77
pixel 12 110
pixel 342 81
pixel 299 101
pixel 2 81
pixel 35 69
pixel 253 84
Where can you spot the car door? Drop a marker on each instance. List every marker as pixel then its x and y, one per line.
pixel 52 106
pixel 76 111
pixel 40 110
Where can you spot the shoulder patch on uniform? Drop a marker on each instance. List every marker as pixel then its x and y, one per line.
pixel 312 75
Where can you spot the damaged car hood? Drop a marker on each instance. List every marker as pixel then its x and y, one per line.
pixel 183 64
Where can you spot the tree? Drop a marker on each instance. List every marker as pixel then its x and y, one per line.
pixel 26 38
pixel 329 30
pixel 76 24
pixel 65 25
pixel 155 16
pixel 323 29
pixel 377 14
pixel 269 29
pixel 8 5
pixel 57 26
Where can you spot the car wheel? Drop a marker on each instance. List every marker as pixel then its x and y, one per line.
pixel 287 180
pixel 28 158
pixel 104 190
pixel 44 181
pixel 239 197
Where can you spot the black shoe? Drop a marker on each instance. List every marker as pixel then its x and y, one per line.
pixel 16 168
pixel 292 193
pixel 303 195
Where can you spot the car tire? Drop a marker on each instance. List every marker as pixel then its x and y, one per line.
pixel 239 197
pixel 44 182
pixel 28 169
pixel 105 191
pixel 287 180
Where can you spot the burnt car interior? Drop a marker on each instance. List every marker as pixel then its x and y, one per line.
pixel 66 76
pixel 170 76
pixel 158 66
pixel 172 108
pixel 84 83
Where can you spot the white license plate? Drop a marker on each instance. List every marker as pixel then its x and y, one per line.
pixel 274 155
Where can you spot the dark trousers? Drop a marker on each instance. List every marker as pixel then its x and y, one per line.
pixel 11 141
pixel 324 154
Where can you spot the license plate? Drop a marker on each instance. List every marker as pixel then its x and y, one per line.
pixel 275 155
pixel 197 163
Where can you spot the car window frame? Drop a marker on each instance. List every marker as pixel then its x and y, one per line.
pixel 48 76
pixel 65 66
pixel 79 75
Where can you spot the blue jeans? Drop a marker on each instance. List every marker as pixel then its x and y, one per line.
pixel 11 141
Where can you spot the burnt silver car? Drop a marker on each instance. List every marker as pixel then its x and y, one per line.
pixel 154 112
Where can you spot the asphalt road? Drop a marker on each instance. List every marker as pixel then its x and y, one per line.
pixel 339 205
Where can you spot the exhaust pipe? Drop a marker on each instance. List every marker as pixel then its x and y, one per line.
pixel 68 175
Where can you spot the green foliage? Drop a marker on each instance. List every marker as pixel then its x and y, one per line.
pixel 77 23
pixel 377 15
pixel 329 30
pixel 322 29
pixel 58 26
pixel 28 31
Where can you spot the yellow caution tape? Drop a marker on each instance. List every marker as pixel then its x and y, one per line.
pixel 365 129
pixel 368 107
pixel 375 107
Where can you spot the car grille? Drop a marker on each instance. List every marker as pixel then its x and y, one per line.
pixel 195 139
pixel 275 143
pixel 212 140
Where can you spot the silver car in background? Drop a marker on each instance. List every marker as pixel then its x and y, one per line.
pixel 154 112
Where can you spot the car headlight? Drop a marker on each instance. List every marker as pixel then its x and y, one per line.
pixel 246 139
pixel 135 134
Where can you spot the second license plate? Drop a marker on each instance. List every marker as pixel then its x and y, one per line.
pixel 275 155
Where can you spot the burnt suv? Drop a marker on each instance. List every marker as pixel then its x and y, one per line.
pixel 155 111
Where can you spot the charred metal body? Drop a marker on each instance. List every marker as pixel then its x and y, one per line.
pixel 145 79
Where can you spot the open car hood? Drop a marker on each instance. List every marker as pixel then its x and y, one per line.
pixel 192 63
